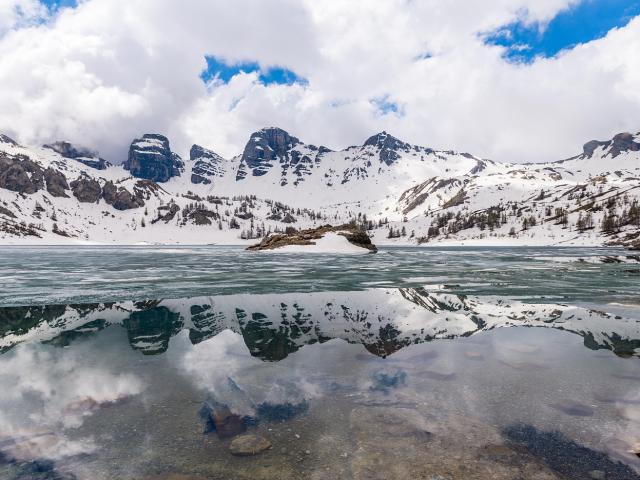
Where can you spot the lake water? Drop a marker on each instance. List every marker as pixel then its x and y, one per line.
pixel 459 363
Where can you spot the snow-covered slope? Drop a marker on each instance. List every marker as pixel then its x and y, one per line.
pixel 273 326
pixel 402 193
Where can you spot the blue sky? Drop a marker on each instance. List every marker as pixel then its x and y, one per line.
pixel 439 77
pixel 55 4
pixel 586 21
pixel 271 75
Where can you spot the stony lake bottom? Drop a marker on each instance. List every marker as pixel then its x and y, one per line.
pixel 413 363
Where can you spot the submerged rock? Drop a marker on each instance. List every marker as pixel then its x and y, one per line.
pixel 566 457
pixel 573 408
pixel 247 445
pixel 174 476
pixel 388 379
pixel 354 236
pixel 280 412
pixel 226 423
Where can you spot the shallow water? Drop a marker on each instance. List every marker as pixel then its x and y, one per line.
pixel 412 363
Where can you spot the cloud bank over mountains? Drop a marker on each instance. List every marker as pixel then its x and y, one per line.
pixel 106 71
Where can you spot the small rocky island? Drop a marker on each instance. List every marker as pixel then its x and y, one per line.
pixel 328 238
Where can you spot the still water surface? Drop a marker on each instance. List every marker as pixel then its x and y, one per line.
pixel 147 363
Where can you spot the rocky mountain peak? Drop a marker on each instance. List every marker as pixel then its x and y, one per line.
pixel 7 139
pixel 197 152
pixel 622 142
pixel 81 154
pixel 207 164
pixel 266 147
pixel 151 158
pixel 69 150
pixel 388 146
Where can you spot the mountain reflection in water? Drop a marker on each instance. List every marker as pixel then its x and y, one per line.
pixel 383 383
pixel 275 325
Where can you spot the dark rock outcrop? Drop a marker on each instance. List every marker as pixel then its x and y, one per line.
pixel 97 163
pixel 273 146
pixel 208 164
pixel 143 189
pixel 622 142
pixel 20 174
pixel 388 145
pixel 82 155
pixel 56 183
pixel 171 210
pixel 120 198
pixel 151 158
pixel 267 147
pixel 353 235
pixel 5 211
pixel 68 150
pixel 86 189
pixel 7 139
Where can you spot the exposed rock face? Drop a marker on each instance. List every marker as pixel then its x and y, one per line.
pixel 201 216
pixel 20 174
pixel 68 150
pixel 5 211
pixel 171 210
pixel 7 139
pixel 120 198
pixel 416 196
pixel 622 142
pixel 388 145
pixel 98 164
pixel 86 190
pixel 56 183
pixel 266 147
pixel 353 235
pixel 273 146
pixel 82 155
pixel 150 157
pixel 208 164
pixel 143 189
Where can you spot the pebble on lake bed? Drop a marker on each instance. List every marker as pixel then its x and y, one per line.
pixel 571 407
pixel 246 445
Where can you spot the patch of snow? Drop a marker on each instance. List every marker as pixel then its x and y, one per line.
pixel 331 242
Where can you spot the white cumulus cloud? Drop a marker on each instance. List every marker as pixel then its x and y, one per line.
pixel 110 70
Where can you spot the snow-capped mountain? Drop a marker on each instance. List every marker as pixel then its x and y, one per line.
pixel 275 325
pixel 402 193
